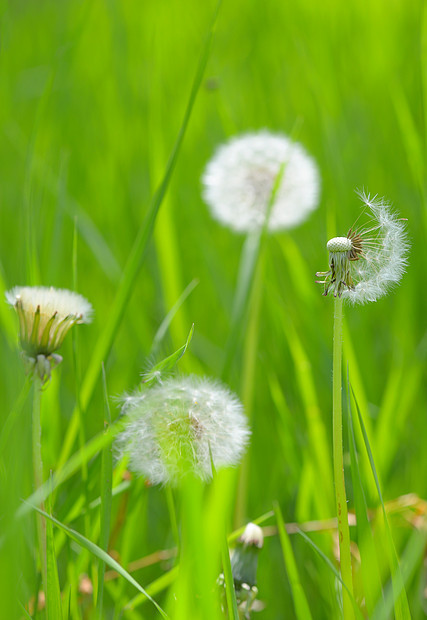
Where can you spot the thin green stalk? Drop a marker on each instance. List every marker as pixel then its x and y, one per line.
pixel 106 500
pixel 38 474
pixel 340 496
pixel 248 383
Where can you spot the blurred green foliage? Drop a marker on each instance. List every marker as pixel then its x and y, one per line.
pixel 93 97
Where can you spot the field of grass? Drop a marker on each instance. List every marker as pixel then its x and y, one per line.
pixel 109 112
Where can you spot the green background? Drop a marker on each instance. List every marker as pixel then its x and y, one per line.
pixel 93 96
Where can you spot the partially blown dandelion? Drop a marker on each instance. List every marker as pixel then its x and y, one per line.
pixel 179 425
pixel 45 316
pixel 362 267
pixel 239 179
pixel 370 259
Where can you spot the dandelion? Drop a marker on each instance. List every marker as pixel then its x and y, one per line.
pixel 239 180
pixel 179 426
pixel 365 264
pixel 45 316
pixel 362 267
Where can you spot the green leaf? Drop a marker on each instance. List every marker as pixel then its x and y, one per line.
pixel 167 364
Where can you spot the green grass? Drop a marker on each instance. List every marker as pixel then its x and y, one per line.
pixel 110 111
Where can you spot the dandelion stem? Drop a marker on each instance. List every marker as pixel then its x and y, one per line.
pixel 340 495
pixel 38 473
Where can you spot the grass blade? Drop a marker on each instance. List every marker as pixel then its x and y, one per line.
pixel 106 499
pixel 334 571
pixel 229 582
pixel 101 555
pixel 164 326
pixel 248 263
pixel 53 592
pixel 168 363
pixel 302 610
pixel 135 260
pixel 401 607
pixel 412 556
pixel 318 436
pixel 371 577
pixel 154 588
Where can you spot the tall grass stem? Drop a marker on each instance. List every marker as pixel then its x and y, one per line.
pixel 338 461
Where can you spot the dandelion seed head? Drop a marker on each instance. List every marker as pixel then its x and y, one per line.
pixel 177 426
pixel 367 263
pixel 339 244
pixel 239 179
pixel 45 316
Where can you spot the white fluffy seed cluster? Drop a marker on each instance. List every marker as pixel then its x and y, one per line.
pixel 51 300
pixel 179 425
pixel 385 251
pixel 239 179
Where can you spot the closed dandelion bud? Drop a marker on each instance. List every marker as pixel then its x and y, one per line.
pixel 244 562
pixel 45 316
pixel 238 182
pixel 365 264
pixel 181 426
pixel 244 559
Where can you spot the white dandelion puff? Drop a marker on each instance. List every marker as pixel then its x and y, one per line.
pixel 239 179
pixel 45 316
pixel 179 425
pixel 365 264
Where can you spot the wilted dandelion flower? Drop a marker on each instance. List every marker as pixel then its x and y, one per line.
pixel 178 425
pixel 239 179
pixel 371 258
pixel 45 316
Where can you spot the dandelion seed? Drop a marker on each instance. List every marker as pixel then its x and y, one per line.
pixel 239 179
pixel 45 316
pixel 365 264
pixel 179 425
